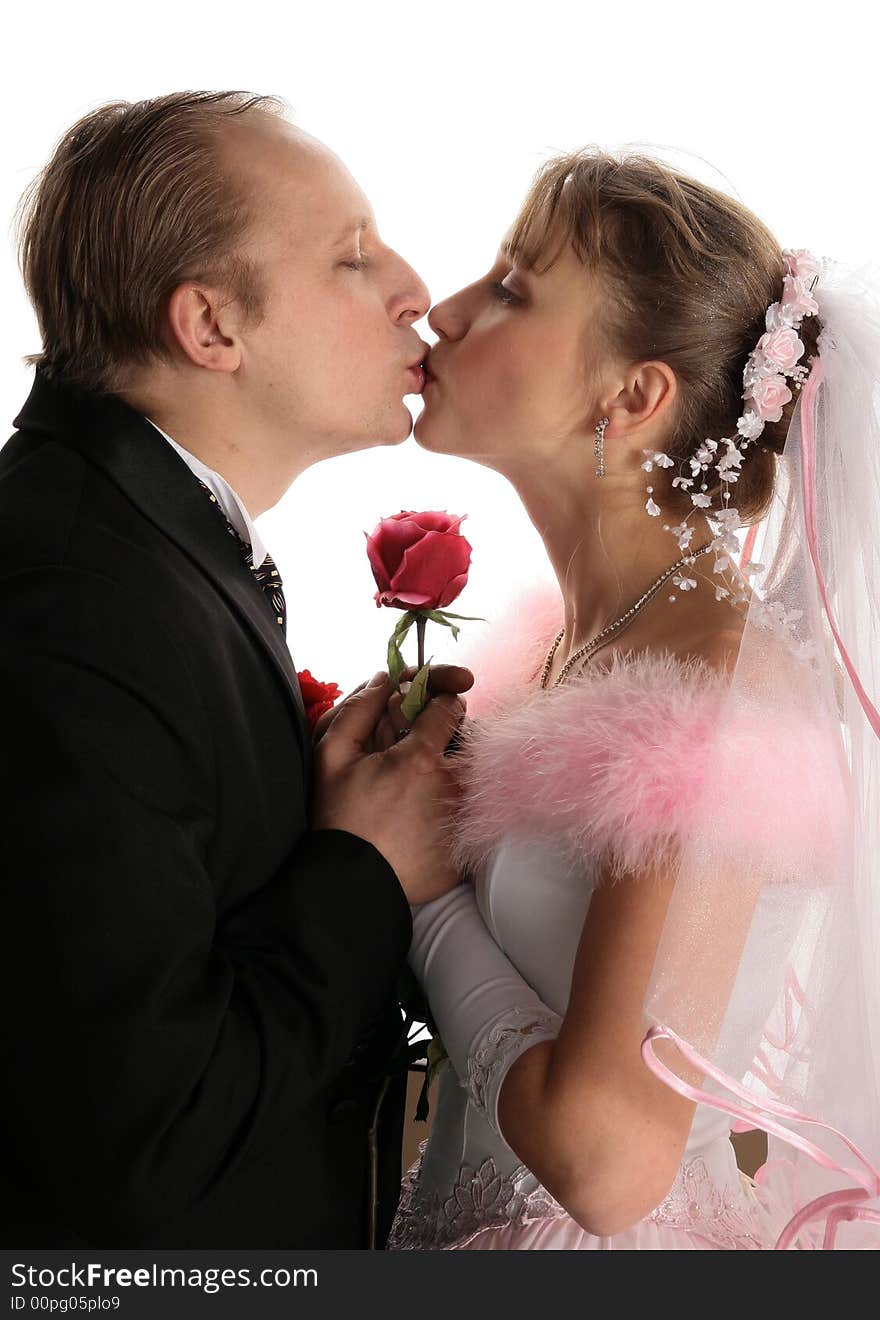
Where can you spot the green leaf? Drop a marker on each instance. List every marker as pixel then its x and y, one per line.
pixel 404 623
pixel 415 699
pixel 396 662
pixel 440 615
pixel 440 618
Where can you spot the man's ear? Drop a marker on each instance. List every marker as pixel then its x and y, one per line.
pixel 201 321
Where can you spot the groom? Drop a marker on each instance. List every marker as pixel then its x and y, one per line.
pixel 205 916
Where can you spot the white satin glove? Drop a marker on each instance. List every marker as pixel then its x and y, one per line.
pixel 486 1013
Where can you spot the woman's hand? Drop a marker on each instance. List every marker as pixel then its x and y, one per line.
pixel 393 724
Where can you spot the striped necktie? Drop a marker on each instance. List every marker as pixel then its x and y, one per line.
pixel 267 577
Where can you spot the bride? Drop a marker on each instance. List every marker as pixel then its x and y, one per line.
pixel 668 816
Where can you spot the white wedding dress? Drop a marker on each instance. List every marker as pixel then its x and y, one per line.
pixel 606 770
pixel 469 1189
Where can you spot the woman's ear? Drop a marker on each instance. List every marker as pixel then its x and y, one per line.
pixel 647 393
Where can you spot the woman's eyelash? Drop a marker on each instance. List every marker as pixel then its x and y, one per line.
pixel 502 293
pixel 354 265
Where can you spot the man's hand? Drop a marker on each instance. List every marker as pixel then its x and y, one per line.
pixel 453 679
pixel 401 799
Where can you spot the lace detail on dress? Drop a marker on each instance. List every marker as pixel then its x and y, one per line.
pixel 483 1198
pixel 729 1218
pixel 505 1042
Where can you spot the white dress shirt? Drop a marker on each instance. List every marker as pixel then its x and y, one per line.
pixel 231 503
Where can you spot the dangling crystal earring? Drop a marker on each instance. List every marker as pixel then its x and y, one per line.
pixel 600 447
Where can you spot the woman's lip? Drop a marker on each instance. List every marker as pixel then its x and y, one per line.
pixel 418 374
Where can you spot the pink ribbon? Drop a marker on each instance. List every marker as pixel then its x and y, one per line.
pixel 837 1206
pixel 808 452
pixel 845 1204
pixel 748 546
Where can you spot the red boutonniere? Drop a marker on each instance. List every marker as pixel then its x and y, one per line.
pixel 318 697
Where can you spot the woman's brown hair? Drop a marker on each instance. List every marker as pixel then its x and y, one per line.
pixel 135 200
pixel 688 274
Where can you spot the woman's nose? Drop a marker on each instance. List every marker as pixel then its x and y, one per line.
pixel 445 319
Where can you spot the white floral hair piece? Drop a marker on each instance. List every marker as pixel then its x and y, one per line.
pixel 775 359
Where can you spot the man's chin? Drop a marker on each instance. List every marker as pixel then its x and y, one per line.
pixel 388 434
pixel 394 442
pixel 402 432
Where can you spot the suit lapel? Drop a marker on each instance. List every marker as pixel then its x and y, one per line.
pixel 157 482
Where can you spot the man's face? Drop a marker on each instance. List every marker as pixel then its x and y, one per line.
pixel 333 357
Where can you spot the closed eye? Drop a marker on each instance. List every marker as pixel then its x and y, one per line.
pixel 354 265
pixel 502 293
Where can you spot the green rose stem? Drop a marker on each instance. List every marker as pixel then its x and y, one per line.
pixel 414 701
pixel 417 697
pixel 421 625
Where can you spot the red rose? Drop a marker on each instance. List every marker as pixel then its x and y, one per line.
pixel 318 697
pixel 420 560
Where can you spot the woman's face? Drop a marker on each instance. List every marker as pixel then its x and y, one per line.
pixel 514 376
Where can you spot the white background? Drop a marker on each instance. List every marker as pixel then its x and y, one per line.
pixel 443 111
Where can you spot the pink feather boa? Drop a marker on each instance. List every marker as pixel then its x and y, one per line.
pixel 623 766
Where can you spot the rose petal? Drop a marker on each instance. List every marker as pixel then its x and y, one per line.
pixel 453 591
pixel 380 572
pixel 406 600
pixel 314 711
pixel 392 538
pixel 433 521
pixel 429 566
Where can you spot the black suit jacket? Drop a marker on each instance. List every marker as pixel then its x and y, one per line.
pixel 198 992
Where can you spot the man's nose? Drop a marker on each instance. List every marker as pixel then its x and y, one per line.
pixel 416 298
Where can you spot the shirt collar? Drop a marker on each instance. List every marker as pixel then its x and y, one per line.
pixel 231 503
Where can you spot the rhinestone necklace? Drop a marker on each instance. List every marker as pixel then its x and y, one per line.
pixel 606 635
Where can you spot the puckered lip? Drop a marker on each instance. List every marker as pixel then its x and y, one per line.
pixel 420 360
pixel 427 366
